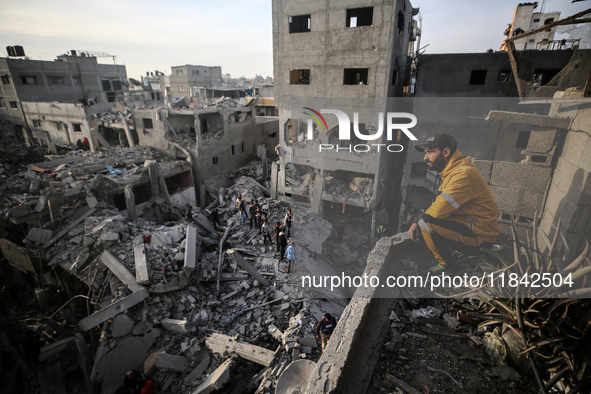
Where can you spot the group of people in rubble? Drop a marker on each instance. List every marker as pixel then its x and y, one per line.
pixel 281 231
pixel 135 382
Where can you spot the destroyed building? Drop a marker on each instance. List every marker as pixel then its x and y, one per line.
pixel 326 52
pixel 75 77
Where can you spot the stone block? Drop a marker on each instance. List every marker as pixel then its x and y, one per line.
pixel 518 202
pixel 121 326
pixel 520 176
pixel 541 140
pixel 485 168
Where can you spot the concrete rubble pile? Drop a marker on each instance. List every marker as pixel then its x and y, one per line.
pixel 157 293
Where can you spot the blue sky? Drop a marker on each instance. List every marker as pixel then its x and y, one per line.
pixel 235 34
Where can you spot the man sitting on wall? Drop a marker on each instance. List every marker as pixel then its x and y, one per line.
pixel 464 215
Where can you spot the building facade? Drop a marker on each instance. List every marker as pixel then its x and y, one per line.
pixel 526 20
pixel 71 78
pixel 185 80
pixel 353 53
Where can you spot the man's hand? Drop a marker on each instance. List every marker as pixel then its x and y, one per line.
pixel 415 232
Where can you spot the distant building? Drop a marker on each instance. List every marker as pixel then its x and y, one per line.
pixel 526 20
pixel 185 80
pixel 76 77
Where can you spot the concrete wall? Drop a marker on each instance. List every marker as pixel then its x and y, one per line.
pixel 156 135
pixel 58 119
pixel 240 133
pixel 70 80
pixel 569 195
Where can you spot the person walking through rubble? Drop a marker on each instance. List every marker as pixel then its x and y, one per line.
pixel 282 243
pixel 464 215
pixel 276 231
pixel 287 223
pixel 291 255
pixel 242 208
pixel 267 233
pixel 325 328
pixel 215 218
pixel 252 210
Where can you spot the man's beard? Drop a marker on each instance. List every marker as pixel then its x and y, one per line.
pixel 437 165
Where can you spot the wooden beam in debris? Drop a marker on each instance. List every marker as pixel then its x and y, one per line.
pixel 190 250
pixel 113 310
pixel 248 267
pixel 68 228
pixel 119 270
pixel 141 264
pixel 515 68
pixel 220 344
pixel 566 21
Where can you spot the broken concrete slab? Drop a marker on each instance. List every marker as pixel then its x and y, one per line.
pixel 175 325
pixel 130 353
pixel 220 344
pixel 217 379
pixel 114 309
pixel 39 235
pixel 190 250
pixel 248 267
pixel 121 326
pixel 68 228
pixel 119 270
pixel 172 362
pixel 141 264
pixel 196 373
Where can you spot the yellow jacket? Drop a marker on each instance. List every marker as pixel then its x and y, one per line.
pixel 466 198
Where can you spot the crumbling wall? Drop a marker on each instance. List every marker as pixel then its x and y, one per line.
pixel 569 195
pixel 347 362
pixel 151 133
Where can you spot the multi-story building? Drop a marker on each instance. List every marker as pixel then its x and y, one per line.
pixel 185 80
pixel 352 56
pixel 76 77
pixel 526 20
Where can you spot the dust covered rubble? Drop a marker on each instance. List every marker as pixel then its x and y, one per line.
pixel 184 309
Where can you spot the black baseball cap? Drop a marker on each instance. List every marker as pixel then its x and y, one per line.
pixel 440 141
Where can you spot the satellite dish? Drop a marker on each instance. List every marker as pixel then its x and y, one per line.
pixel 295 377
pixel 135 82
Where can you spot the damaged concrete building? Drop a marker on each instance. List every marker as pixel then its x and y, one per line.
pixel 325 52
pixel 73 78
pixel 186 80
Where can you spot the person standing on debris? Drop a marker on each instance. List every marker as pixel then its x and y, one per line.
pixel 287 223
pixel 282 243
pixel 464 215
pixel 252 210
pixel 215 218
pixel 325 328
pixel 257 220
pixel 276 231
pixel 267 233
pixel 291 255
pixel 132 380
pixel 340 230
pixel 147 387
pixel 86 143
pixel 189 214
pixel 242 209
